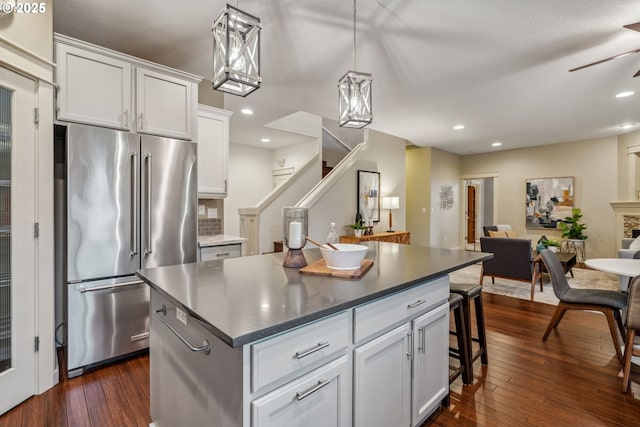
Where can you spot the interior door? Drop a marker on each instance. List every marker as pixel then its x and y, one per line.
pixel 471 213
pixel 17 287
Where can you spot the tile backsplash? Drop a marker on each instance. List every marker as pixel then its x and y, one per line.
pixel 208 226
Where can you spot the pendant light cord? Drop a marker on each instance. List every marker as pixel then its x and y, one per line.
pixel 354 35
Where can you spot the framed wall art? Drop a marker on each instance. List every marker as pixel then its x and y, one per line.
pixel 548 200
pixel 369 195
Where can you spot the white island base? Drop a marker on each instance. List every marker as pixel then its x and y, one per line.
pixel 383 363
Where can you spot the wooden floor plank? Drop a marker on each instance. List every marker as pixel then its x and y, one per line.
pixel 572 379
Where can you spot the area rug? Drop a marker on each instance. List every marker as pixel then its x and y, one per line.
pixel 584 278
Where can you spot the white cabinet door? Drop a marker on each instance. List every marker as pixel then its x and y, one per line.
pixel 92 88
pixel 430 383
pixel 382 376
pixel 321 398
pixel 164 104
pixel 213 151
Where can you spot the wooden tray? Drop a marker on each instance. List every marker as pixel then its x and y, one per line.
pixel 320 268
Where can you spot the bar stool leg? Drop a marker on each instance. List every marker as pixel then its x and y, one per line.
pixel 482 336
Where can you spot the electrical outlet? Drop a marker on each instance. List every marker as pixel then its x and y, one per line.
pixel 200 209
pixel 181 315
pixel 424 210
pixel 212 213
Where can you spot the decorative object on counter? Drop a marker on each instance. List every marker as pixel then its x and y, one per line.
pixel 236 52
pixel 354 93
pixel 403 237
pixel 391 202
pixel 295 226
pixel 320 268
pixel 368 203
pixel 368 231
pixel 332 237
pixel 348 256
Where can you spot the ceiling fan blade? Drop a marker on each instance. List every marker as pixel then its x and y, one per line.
pixel 606 59
pixel 634 27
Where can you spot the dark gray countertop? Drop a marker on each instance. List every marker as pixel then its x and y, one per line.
pixel 244 299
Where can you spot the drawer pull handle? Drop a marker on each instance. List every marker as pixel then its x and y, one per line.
pixel 417 303
pixel 223 254
pixel 205 345
pixel 305 353
pixel 321 383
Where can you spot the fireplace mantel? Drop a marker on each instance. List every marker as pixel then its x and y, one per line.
pixel 627 218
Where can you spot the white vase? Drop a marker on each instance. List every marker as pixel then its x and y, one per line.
pixel 358 232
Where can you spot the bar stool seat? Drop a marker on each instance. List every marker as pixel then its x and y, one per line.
pixel 461 353
pixel 469 292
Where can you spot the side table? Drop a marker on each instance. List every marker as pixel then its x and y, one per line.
pixel 403 237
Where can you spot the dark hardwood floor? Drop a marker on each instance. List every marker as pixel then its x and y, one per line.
pixel 571 380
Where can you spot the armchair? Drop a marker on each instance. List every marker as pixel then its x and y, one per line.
pixel 512 259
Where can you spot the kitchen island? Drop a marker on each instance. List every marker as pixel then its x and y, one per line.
pixel 246 342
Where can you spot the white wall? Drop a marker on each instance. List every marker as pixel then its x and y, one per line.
pixel 445 174
pixel 384 154
pixel 249 181
pixel 594 167
pixel 295 156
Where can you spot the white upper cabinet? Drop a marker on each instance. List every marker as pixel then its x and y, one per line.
pixel 93 88
pixel 164 104
pixel 213 151
pixel 106 88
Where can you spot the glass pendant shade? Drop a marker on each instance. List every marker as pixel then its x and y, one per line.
pixel 354 98
pixel 236 52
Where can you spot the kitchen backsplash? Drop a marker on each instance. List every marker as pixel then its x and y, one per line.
pixel 208 227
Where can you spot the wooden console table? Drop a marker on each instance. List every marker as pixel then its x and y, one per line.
pixel 393 237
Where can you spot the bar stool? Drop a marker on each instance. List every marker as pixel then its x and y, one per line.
pixel 470 291
pixel 456 304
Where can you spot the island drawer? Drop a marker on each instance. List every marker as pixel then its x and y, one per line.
pixel 210 253
pixel 298 351
pixel 382 314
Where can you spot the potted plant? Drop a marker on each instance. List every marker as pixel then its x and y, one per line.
pixel 358 228
pixel 572 227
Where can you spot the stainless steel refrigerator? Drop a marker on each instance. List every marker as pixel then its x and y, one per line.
pixel 131 202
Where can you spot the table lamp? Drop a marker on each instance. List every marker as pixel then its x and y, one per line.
pixel 390 202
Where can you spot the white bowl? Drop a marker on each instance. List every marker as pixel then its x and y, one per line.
pixel 348 256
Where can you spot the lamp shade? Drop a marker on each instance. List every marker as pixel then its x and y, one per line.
pixel 236 52
pixel 391 202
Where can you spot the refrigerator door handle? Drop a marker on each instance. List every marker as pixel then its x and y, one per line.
pixel 149 164
pixel 134 204
pixel 84 289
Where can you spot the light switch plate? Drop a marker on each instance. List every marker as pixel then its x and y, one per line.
pixel 212 213
pixel 181 315
pixel 200 209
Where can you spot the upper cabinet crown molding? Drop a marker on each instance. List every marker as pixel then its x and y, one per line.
pixel 107 88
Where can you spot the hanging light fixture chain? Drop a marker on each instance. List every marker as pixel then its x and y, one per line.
pixel 354 35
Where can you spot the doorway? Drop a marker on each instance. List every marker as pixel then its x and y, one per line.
pixel 17 246
pixel 479 208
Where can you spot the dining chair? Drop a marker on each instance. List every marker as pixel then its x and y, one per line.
pixel 633 326
pixel 608 302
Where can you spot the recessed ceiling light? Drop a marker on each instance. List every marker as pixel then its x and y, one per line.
pixel 265 140
pixel 627 126
pixel 625 94
pixel 247 111
pixel 496 144
pixel 458 127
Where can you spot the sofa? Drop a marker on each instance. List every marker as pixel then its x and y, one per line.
pixel 625 252
pixel 512 259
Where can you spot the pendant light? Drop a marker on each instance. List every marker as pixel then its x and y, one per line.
pixel 236 52
pixel 354 92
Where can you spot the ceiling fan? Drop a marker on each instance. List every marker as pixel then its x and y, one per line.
pixel 634 27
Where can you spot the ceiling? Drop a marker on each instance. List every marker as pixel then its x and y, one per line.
pixel 500 67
